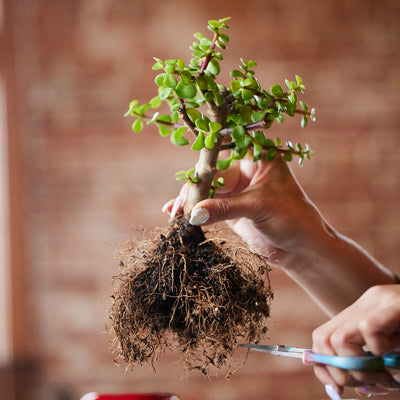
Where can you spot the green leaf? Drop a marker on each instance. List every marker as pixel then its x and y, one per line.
pixel 214 23
pixel 158 65
pixel 202 82
pixel 170 81
pixel 163 130
pixel 288 156
pixel 205 43
pixel 304 121
pixel 186 77
pixel 202 124
pixel 257 152
pixel 236 74
pixel 137 126
pixel 164 92
pixel 236 85
pixel 177 137
pixel 238 154
pixel 155 102
pixel 209 141
pixel 218 99
pixel 198 144
pixel 165 118
pixel 257 116
pixel 185 91
pixel 224 164
pixel 214 126
pixel 304 106
pixel 299 80
pixel 170 66
pixel 271 153
pixel 238 132
pixel 276 90
pixel 247 94
pixel 213 67
pixel 159 79
pixel 198 35
pixel 132 105
pixel 193 114
pixel 224 38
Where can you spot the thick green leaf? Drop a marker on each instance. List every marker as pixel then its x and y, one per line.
pixel 288 157
pixel 163 130
pixel 271 153
pixel 247 94
pixel 209 141
pixel 236 85
pixel 165 118
pixel 177 137
pixel 155 102
pixel 137 125
pixel 238 154
pixel 238 132
pixel 202 82
pixel 214 126
pixel 186 77
pixel 202 124
pixel 277 90
pixel 257 116
pixel 170 81
pixel 213 67
pixel 224 164
pixel 164 92
pixel 257 152
pixel 193 114
pixel 236 74
pixel 198 144
pixel 185 91
pixel 224 38
pixel 159 79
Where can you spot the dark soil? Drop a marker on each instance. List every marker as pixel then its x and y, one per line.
pixel 185 292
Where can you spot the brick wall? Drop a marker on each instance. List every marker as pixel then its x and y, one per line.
pixel 86 179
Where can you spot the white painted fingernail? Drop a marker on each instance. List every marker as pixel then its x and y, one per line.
pixel 332 393
pixel 175 207
pixel 199 216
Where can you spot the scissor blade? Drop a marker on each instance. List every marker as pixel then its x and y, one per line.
pixel 275 350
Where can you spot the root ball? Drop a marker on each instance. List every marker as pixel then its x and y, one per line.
pixel 185 292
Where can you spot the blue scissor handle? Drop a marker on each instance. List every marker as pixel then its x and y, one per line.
pixel 369 363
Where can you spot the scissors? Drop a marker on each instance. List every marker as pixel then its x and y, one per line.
pixel 369 362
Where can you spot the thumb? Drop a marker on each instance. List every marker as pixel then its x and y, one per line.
pixel 221 209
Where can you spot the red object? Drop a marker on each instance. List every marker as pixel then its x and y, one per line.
pixel 130 396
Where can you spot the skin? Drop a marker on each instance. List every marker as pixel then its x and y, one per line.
pixel 372 322
pixel 264 204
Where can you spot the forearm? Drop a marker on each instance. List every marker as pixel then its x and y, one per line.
pixel 335 271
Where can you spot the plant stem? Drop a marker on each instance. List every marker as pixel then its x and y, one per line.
pixel 209 56
pixel 205 171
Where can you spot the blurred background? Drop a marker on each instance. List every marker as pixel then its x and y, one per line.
pixel 75 179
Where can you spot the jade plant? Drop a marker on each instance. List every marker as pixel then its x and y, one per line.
pixel 181 289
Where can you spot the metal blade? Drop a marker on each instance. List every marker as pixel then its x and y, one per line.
pixel 276 350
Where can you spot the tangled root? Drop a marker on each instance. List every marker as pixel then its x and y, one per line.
pixel 185 292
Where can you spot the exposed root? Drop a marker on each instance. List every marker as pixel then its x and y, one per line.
pixel 186 292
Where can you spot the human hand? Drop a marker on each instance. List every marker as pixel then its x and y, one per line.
pixel 373 322
pixel 264 204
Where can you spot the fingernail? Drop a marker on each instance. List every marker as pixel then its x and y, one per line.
pixel 165 207
pixel 332 393
pixel 364 390
pixel 175 207
pixel 199 216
